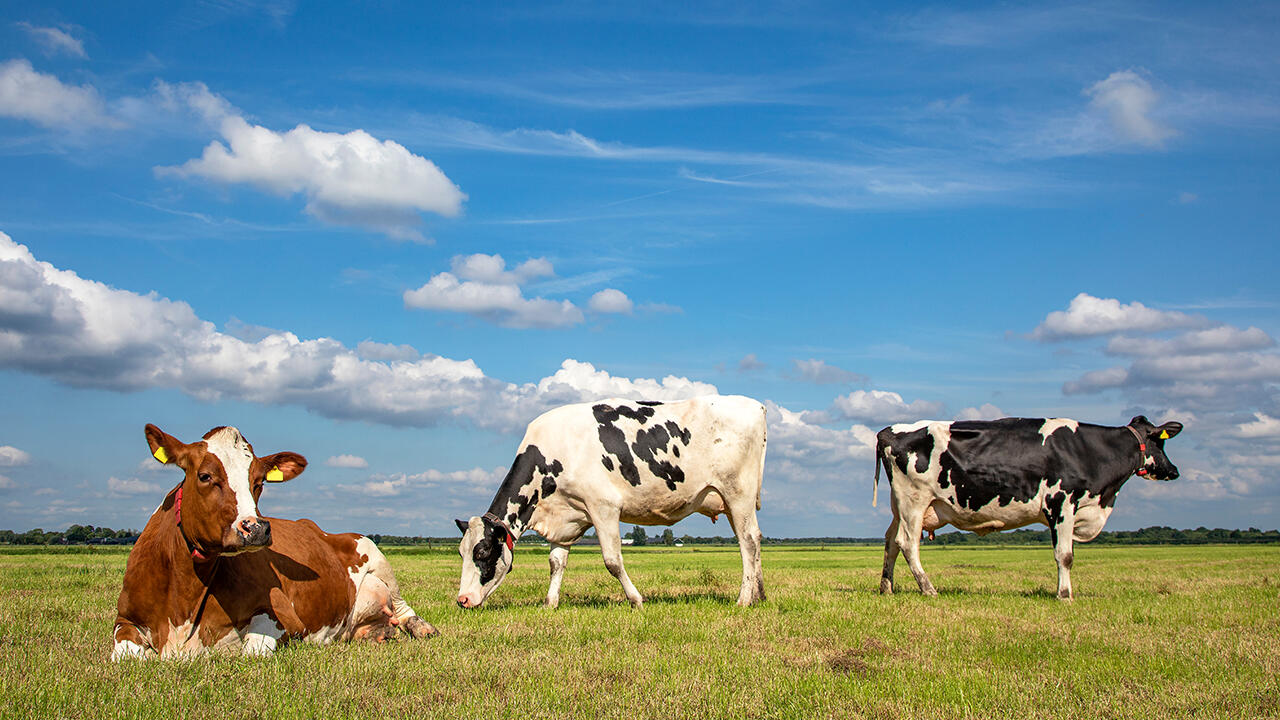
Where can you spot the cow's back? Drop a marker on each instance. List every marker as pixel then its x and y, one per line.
pixel 654 457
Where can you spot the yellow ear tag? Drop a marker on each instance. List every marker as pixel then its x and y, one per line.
pixel 161 456
pixel 275 475
pixel 1164 434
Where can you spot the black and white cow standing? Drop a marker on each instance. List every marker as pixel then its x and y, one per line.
pixel 598 464
pixel 984 476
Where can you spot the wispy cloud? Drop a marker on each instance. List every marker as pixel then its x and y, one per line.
pixel 55 41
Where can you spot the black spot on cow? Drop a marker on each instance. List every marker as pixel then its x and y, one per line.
pixel 614 440
pixel 530 466
pixel 656 439
pixel 607 462
pixel 650 403
pixel 488 550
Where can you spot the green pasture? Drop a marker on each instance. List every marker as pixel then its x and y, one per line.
pixel 1155 632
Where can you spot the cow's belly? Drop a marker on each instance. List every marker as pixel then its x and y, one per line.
pixel 988 518
pixel 657 505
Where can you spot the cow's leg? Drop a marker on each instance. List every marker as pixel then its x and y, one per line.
pixel 890 556
pixel 609 533
pixel 1061 532
pixel 742 516
pixel 380 592
pixel 910 525
pixel 129 642
pixel 261 636
pixel 559 559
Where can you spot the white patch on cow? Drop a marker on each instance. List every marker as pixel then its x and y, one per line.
pixel 1052 424
pixel 910 427
pixel 233 450
pixel 182 642
pixel 261 635
pixel 324 635
pixel 125 649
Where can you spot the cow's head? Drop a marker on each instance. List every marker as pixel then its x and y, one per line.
pixel 486 559
pixel 1154 460
pixel 223 482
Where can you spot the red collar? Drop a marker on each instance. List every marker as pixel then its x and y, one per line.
pixel 177 518
pixel 1142 451
pixel 511 538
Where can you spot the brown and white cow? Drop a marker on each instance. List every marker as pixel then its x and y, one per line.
pixel 209 572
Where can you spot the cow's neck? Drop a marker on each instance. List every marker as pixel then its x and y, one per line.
pixel 1128 459
pixel 530 478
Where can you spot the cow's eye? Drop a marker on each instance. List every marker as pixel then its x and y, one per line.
pixel 205 477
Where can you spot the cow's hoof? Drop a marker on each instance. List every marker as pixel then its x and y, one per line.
pixel 886 587
pixel 1065 596
pixel 419 628
pixel 929 592
pixel 551 604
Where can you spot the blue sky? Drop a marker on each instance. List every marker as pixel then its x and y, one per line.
pixel 387 236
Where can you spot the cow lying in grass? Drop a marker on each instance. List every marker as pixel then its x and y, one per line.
pixel 598 464
pixel 993 475
pixel 208 572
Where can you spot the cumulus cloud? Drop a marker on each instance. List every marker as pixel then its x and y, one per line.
pixel 43 99
pixel 750 362
pixel 882 406
pixel 610 300
pixel 817 371
pixel 55 41
pixel 1089 316
pixel 986 412
pixel 1223 338
pixel 347 178
pixel 133 486
pixel 481 286
pixel 347 461
pixel 1264 426
pixel 83 333
pixel 1127 100
pixel 12 457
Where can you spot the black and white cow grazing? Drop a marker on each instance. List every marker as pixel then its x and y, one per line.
pixel 984 476
pixel 598 464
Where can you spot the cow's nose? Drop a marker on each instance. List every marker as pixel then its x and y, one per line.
pixel 464 602
pixel 255 531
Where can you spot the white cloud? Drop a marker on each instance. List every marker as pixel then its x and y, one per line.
pixel 1264 426
pixel 882 406
pixel 750 362
pixel 986 412
pixel 499 303
pixel 133 486
pixel 1128 101
pixel 610 300
pixel 370 350
pixel 1223 338
pixel 492 269
pixel 818 371
pixel 472 482
pixel 1089 316
pixel 55 41
pixel 83 333
pixel 347 461
pixel 12 457
pixel 43 99
pixel 347 178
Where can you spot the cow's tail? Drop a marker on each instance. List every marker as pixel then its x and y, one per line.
pixel 764 443
pixel 879 460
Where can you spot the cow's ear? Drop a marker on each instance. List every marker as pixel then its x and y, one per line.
pixel 1140 421
pixel 1167 430
pixel 283 466
pixel 165 448
pixel 462 525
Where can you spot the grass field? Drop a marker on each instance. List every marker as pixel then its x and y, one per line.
pixel 1154 632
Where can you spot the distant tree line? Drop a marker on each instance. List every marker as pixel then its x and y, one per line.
pixel 74 535
pixel 1157 535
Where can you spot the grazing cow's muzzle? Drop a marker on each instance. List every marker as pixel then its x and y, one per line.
pixel 254 532
pixel 467 603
